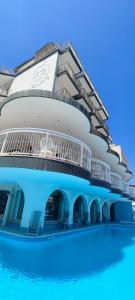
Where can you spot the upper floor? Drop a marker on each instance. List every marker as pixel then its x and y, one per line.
pixel 56 73
pixel 57 68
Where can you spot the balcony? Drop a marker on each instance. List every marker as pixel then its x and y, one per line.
pixel 3 92
pixel 45 144
pixel 58 147
pixel 94 110
pixel 82 93
pixel 100 170
pixel 125 188
pixel 87 99
pixel 66 68
pixel 116 182
pixel 132 192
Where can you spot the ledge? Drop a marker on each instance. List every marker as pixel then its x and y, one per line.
pixel 47 94
pixel 44 164
pixel 116 191
pixel 101 183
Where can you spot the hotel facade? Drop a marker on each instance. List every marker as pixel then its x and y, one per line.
pixel 58 166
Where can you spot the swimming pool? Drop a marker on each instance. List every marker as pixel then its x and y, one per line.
pixel 96 264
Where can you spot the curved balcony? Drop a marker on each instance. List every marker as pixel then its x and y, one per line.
pixel 100 171
pixel 45 144
pixel 116 182
pixel 125 188
pixel 61 95
pixel 132 192
pixel 43 109
pixel 3 91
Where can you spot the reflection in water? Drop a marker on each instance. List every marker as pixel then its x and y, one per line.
pixel 71 257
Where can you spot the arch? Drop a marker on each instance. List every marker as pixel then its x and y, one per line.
pixel 95 212
pixel 20 207
pixel 105 212
pixel 112 212
pixel 56 207
pixel 79 209
pixel 3 203
pixel 16 206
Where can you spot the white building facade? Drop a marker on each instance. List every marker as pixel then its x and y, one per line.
pixel 58 166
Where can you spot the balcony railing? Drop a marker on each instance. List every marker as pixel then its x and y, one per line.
pixel 45 144
pixel 132 191
pixel 125 188
pixel 100 170
pixel 48 144
pixel 116 181
pixel 3 91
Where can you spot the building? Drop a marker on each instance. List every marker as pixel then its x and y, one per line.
pixel 58 166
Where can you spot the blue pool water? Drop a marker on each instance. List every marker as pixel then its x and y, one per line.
pixel 97 265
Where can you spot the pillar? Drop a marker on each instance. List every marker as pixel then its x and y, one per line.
pixel 35 199
pixel 6 214
pixel 16 204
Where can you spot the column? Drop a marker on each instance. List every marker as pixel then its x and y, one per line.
pixel 35 199
pixel 16 206
pixel 6 214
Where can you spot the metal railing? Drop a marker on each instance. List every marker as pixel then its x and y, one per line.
pixel 54 145
pixel 116 181
pixel 100 170
pixel 45 144
pixel 3 91
pixel 132 192
pixel 125 188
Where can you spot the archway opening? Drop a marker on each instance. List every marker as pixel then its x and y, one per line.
pixel 105 213
pixel 112 212
pixel 94 212
pixel 55 212
pixel 3 203
pixel 15 211
pixel 20 207
pixel 79 211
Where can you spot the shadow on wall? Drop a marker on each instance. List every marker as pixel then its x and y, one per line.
pixel 69 257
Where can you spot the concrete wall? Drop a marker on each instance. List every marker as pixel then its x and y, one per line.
pixel 123 211
pixel 39 76
pixel 37 186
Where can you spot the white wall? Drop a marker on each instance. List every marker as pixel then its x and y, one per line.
pixel 39 76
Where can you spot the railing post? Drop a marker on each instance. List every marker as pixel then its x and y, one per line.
pixel 81 158
pixel 3 146
pixel 46 144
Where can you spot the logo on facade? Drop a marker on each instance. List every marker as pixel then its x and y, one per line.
pixel 40 75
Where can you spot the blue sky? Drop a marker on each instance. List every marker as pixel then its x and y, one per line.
pixel 102 32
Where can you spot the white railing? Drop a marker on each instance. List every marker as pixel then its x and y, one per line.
pixel 116 181
pixel 100 170
pixel 132 191
pixel 45 144
pixel 3 91
pixel 125 188
pixel 48 144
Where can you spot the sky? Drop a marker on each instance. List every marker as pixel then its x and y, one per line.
pixel 103 34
